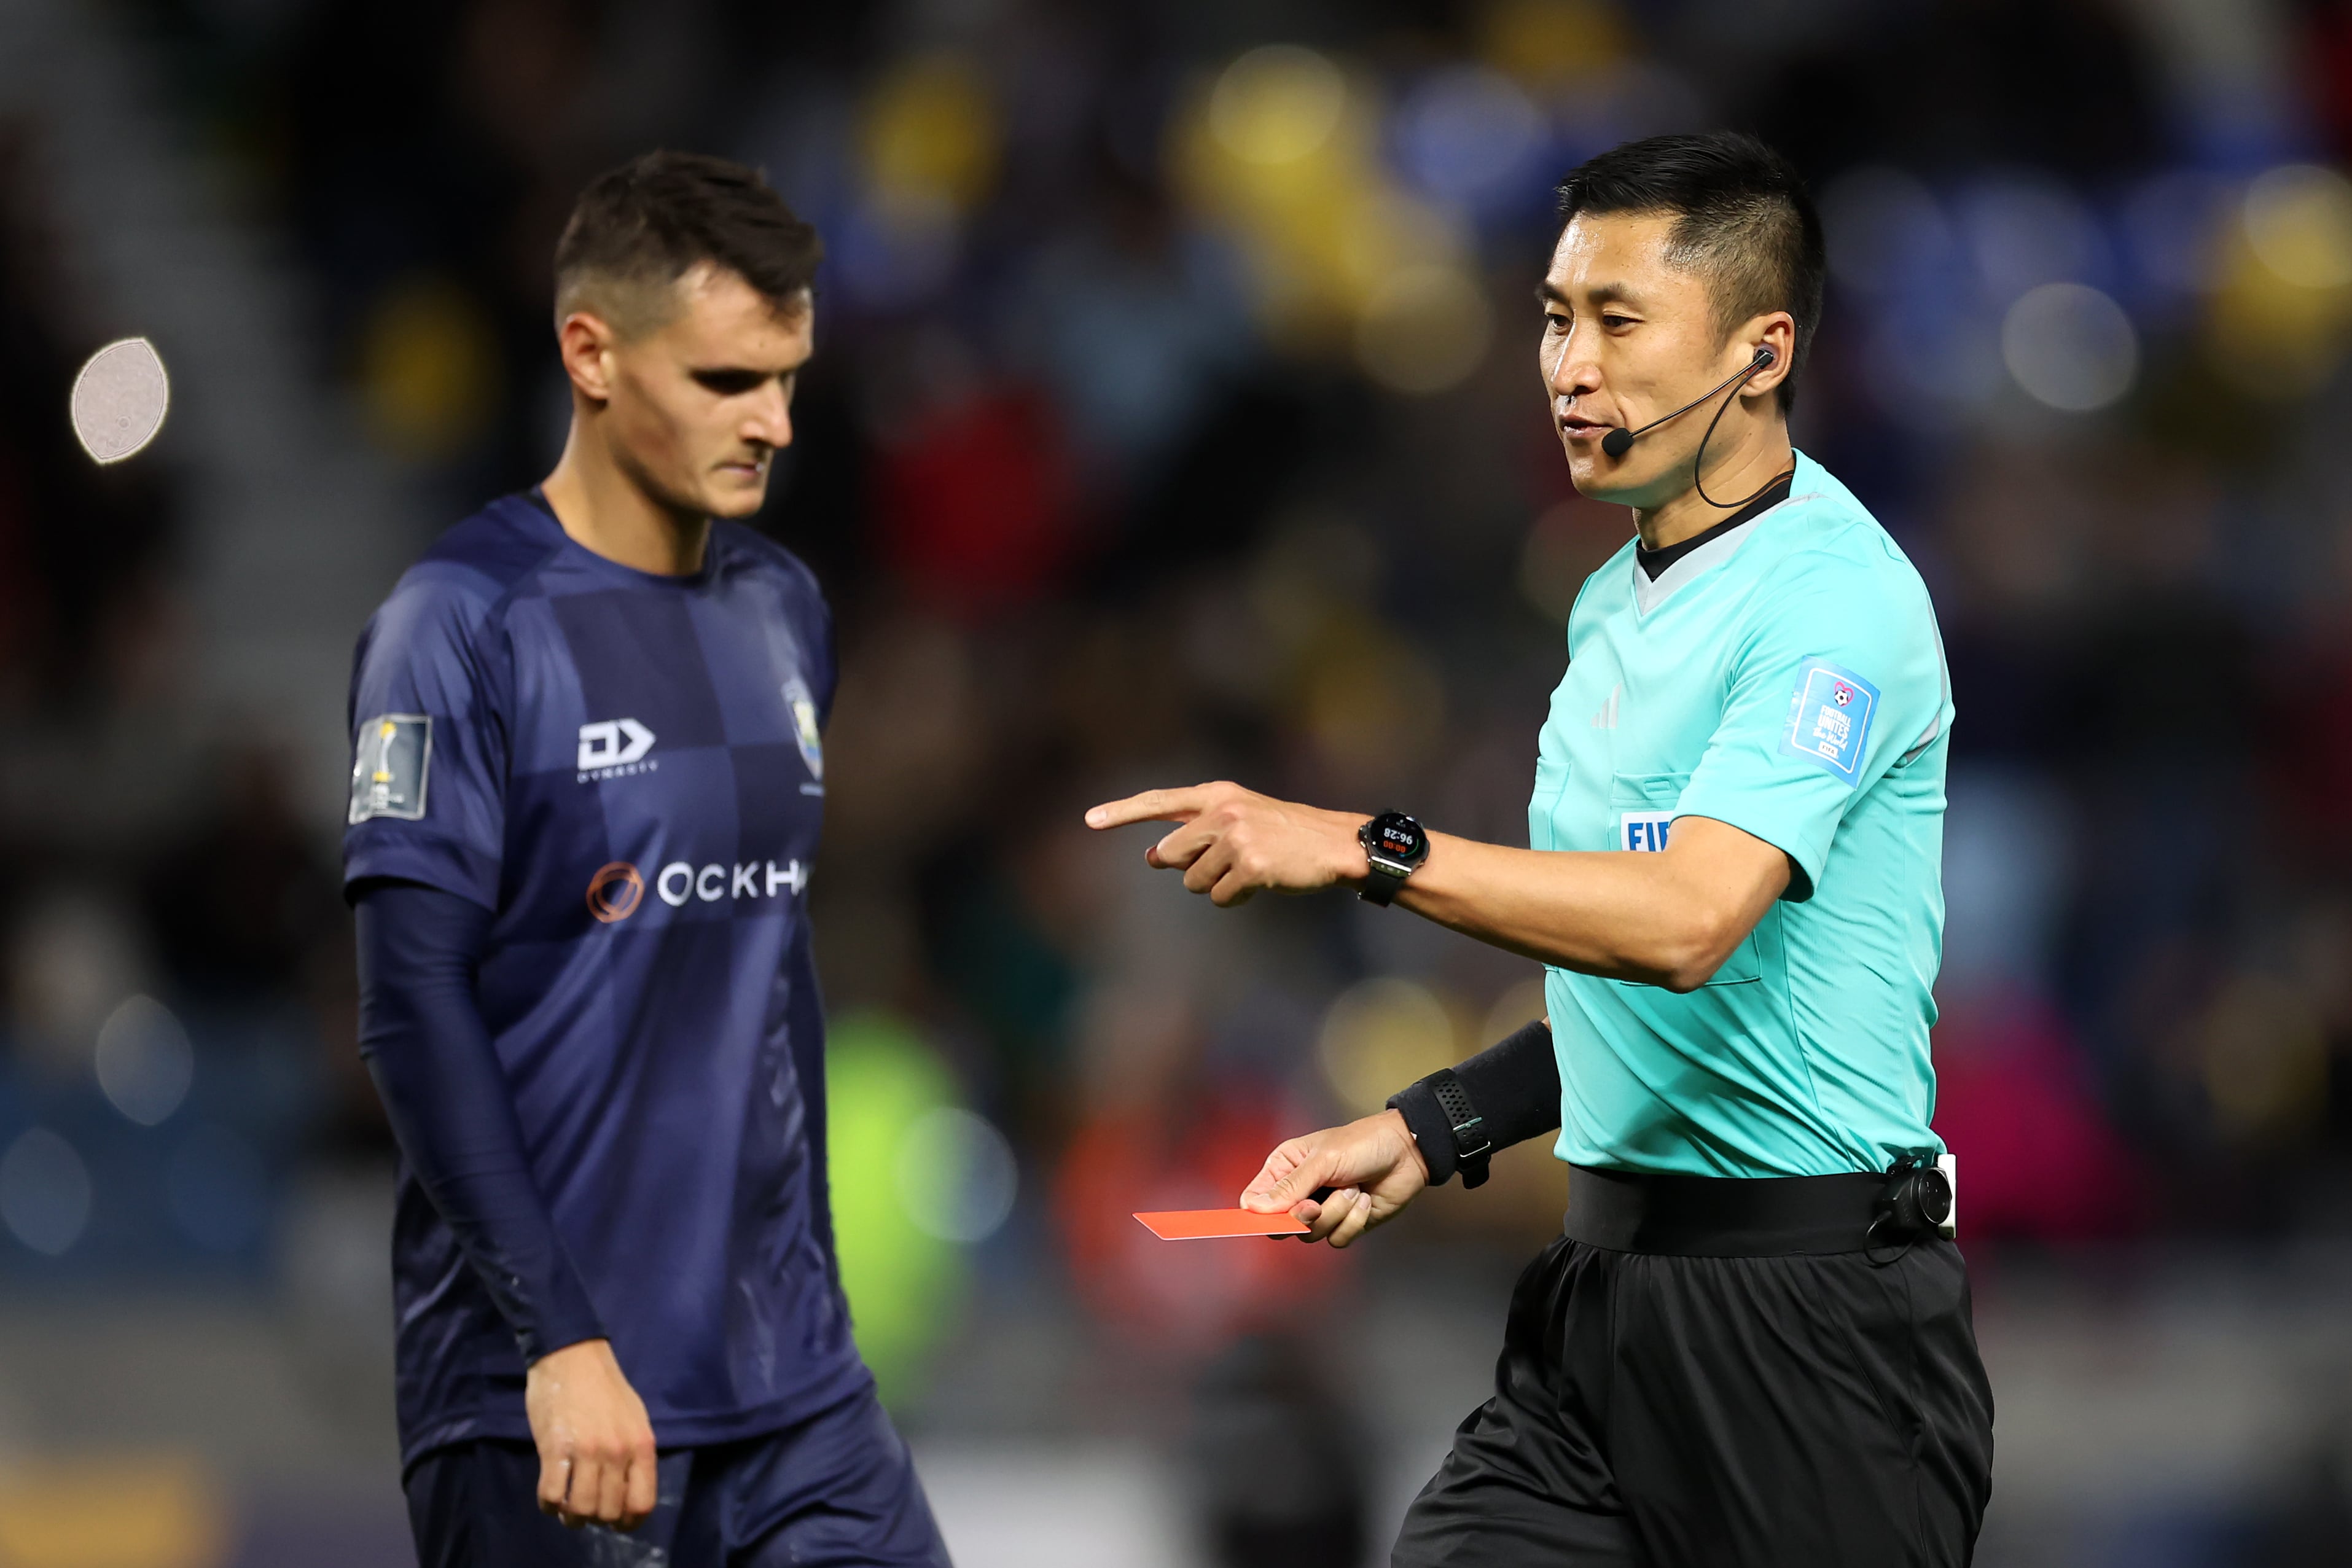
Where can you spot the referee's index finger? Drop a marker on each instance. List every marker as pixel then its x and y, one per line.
pixel 1151 806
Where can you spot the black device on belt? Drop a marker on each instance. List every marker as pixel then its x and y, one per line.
pixel 1767 1217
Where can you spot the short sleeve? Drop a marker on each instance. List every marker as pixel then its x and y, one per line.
pixel 428 745
pixel 1839 679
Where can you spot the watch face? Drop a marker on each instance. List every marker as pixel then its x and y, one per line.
pixel 1394 836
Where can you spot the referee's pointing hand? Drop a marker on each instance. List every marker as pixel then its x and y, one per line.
pixel 1232 841
pixel 1372 1166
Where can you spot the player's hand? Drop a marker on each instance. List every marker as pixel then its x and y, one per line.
pixel 1234 842
pixel 1372 1166
pixel 596 1442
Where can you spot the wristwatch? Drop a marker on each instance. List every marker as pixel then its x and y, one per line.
pixel 1396 846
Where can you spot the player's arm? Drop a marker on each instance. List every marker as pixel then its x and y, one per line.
pixel 430 1052
pixel 1370 1168
pixel 1666 919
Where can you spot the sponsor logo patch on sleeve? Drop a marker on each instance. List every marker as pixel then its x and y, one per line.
pixel 389 766
pixel 1829 716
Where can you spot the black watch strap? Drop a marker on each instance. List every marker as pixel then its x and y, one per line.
pixel 1381 885
pixel 1471 1144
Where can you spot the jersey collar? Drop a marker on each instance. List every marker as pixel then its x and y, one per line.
pixel 1693 557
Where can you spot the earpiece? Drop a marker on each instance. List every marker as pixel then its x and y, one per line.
pixel 1619 442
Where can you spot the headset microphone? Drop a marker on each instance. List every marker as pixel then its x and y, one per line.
pixel 1620 440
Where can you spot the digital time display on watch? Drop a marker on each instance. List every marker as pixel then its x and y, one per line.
pixel 1395 846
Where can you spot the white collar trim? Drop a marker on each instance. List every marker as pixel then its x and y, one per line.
pixel 1650 592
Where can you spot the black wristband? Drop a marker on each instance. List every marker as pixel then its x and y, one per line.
pixel 1514 1086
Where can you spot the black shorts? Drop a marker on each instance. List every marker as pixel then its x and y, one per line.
pixel 1709 1412
pixel 836 1492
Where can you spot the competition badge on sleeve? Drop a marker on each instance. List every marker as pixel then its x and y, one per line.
pixel 1829 719
pixel 804 708
pixel 395 753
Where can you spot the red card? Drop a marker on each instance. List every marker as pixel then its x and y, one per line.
pixel 1196 1224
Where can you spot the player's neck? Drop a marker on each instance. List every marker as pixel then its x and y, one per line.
pixel 1758 455
pixel 606 510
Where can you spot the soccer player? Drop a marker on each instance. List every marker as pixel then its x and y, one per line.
pixel 588 779
pixel 1751 1344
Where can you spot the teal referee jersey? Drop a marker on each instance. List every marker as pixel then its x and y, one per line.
pixel 1786 677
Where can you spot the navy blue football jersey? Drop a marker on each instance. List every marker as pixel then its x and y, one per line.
pixel 626 770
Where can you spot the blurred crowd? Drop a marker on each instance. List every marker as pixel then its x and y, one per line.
pixel 1175 418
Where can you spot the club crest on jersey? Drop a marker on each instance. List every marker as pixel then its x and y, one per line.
pixel 614 749
pixel 802 704
pixel 1829 716
pixel 389 766
pixel 1646 832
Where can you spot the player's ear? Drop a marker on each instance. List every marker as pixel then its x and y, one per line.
pixel 585 342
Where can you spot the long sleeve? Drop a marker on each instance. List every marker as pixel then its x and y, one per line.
pixel 430 1052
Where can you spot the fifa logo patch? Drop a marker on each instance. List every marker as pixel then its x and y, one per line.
pixel 389 766
pixel 798 698
pixel 1646 832
pixel 1829 716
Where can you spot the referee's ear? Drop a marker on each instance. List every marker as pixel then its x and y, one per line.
pixel 1776 330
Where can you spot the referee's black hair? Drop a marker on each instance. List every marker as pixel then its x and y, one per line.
pixel 1742 217
pixel 640 227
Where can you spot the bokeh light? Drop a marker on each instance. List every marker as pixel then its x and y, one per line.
pixel 1277 104
pixel 957 1177
pixel 2299 221
pixel 429 370
pixel 2263 1056
pixel 2282 305
pixel 932 133
pixel 1519 1004
pixel 1554 45
pixel 143 1060
pixel 1470 135
pixel 45 1191
pixel 2021 233
pixel 1380 1035
pixel 903 1278
pixel 2071 346
pixel 1425 329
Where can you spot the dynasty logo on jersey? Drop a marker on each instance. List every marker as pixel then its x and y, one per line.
pixel 614 749
pixel 389 766
pixel 1828 720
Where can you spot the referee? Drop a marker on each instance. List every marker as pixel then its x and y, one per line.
pixel 1751 1344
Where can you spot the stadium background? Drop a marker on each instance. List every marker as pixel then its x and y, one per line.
pixel 1173 418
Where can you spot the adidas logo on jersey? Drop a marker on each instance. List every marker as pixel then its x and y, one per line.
pixel 1607 718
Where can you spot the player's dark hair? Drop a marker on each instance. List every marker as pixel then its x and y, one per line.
pixel 655 217
pixel 1742 218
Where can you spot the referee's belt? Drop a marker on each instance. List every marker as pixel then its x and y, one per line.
pixel 1733 1216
